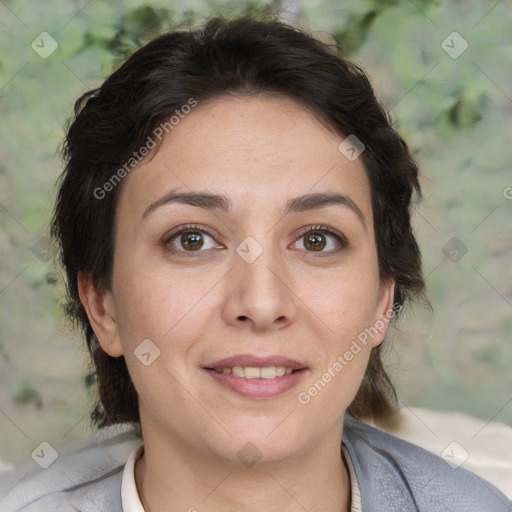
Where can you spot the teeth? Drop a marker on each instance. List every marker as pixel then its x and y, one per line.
pixel 253 372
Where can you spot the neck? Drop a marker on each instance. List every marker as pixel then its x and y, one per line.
pixel 172 476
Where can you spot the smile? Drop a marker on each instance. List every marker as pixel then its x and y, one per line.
pixel 255 382
pixel 254 372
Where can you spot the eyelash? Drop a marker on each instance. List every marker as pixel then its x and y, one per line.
pixel 340 238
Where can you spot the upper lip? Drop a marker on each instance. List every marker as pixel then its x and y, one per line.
pixel 256 361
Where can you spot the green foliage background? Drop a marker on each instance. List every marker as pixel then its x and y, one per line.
pixel 454 113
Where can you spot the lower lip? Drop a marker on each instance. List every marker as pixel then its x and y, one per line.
pixel 258 388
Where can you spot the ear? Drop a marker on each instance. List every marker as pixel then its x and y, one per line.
pixel 101 312
pixel 385 311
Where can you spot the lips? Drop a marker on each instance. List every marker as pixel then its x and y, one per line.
pixel 257 377
pixel 244 360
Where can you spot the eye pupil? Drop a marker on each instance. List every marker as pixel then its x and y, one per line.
pixel 315 241
pixel 192 240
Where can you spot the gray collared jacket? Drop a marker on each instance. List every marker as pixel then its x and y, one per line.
pixel 393 475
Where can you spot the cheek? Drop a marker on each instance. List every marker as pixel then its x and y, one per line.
pixel 158 310
pixel 162 306
pixel 347 312
pixel 347 303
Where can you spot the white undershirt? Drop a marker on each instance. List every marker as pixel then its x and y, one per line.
pixel 130 500
pixel 356 505
pixel 130 497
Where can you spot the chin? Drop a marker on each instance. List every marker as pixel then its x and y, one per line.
pixel 261 440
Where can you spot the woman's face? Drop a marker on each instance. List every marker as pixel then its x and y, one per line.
pixel 276 267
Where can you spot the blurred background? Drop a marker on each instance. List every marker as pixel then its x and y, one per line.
pixel 442 68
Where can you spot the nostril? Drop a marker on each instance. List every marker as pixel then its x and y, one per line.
pixel 242 317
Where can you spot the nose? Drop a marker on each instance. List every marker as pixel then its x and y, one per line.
pixel 260 296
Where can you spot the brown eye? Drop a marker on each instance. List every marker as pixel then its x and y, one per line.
pixel 314 242
pixel 191 241
pixel 322 240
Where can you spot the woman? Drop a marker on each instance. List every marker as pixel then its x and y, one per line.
pixel 234 224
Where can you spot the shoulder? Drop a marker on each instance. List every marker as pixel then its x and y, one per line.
pixel 102 494
pixel 85 476
pixel 395 475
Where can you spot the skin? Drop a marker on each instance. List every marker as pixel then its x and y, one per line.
pixel 308 305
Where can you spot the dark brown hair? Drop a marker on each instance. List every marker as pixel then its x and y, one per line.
pixel 241 56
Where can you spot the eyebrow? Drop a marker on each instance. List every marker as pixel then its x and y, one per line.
pixel 303 203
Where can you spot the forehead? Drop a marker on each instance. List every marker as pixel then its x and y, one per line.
pixel 258 150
